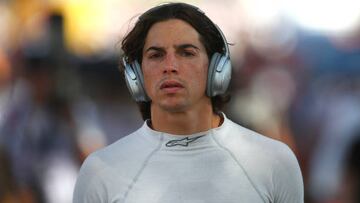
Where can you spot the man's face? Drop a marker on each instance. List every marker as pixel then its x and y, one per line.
pixel 175 65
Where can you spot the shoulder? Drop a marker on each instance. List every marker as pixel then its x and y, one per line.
pixel 127 149
pixel 270 164
pixel 104 159
pixel 244 140
pixel 110 169
pixel 256 148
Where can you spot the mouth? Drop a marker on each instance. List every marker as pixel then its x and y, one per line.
pixel 171 86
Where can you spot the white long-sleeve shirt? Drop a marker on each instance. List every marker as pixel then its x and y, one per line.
pixel 228 164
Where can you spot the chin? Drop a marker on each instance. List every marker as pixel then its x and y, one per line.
pixel 173 106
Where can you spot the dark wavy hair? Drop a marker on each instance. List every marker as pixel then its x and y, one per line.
pixel 133 43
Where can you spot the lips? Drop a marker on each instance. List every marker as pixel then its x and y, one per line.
pixel 171 86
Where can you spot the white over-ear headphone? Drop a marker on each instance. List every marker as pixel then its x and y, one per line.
pixel 219 72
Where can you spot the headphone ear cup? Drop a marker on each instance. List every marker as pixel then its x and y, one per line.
pixel 212 68
pixel 219 75
pixel 135 82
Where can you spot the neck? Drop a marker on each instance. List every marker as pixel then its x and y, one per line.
pixel 186 122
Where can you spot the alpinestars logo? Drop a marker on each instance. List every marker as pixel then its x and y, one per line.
pixel 182 142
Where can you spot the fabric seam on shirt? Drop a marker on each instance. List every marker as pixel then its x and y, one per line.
pixel 238 163
pixel 143 167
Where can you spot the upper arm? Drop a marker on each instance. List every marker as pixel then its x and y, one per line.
pixel 90 186
pixel 287 179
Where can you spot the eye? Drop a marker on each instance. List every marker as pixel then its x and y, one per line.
pixel 155 55
pixel 187 53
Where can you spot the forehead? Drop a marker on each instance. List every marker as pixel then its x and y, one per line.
pixel 172 32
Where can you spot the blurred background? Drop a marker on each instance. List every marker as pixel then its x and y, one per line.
pixel 296 78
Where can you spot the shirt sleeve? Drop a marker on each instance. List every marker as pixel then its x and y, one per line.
pixel 90 186
pixel 287 179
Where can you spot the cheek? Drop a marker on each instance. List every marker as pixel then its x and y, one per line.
pixel 205 77
pixel 151 79
pixel 148 81
pixel 204 72
pixel 199 78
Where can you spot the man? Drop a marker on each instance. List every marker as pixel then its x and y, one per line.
pixel 177 68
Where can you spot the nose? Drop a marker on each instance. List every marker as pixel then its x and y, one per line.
pixel 170 64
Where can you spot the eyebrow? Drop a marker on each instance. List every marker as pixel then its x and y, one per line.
pixel 154 48
pixel 181 46
pixel 184 46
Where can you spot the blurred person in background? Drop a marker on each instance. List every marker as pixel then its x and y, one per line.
pixel 5 79
pixel 7 182
pixel 177 67
pixel 46 130
pixel 38 137
pixel 350 186
pixel 337 110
